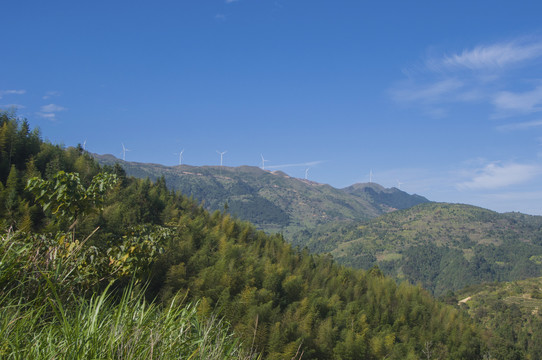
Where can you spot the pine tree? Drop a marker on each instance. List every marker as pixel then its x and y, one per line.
pixel 12 196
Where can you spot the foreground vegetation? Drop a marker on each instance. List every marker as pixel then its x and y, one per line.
pixel 45 317
pixel 97 260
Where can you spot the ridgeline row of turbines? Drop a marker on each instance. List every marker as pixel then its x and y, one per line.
pixel 222 153
pixel 124 150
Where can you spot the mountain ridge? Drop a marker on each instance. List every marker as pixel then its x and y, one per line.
pixel 273 200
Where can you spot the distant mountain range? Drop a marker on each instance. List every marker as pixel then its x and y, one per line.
pixel 272 200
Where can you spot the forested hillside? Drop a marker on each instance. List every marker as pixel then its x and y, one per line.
pixel 442 246
pixel 511 311
pixel 81 232
pixel 272 200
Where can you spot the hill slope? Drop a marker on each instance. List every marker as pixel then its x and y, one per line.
pixel 273 201
pixel 442 246
pixel 511 311
pixel 280 301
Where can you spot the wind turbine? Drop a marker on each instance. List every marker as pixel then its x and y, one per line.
pixel 399 184
pixel 180 156
pixel 263 162
pixel 221 156
pixel 124 152
pixel 307 173
pixel 371 176
pixel 85 145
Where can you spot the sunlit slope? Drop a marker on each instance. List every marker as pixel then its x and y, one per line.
pixel 442 246
pixel 511 311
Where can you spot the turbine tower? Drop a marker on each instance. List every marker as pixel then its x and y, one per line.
pixel 399 184
pixel 124 152
pixel 307 173
pixel 371 176
pixel 221 155
pixel 180 156
pixel 85 145
pixel 263 162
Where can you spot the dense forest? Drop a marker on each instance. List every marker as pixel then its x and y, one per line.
pixel 82 244
pixel 511 311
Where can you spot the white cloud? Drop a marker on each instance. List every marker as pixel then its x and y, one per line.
pixel 49 111
pixel 220 17
pixel 494 176
pixel 426 93
pixel 52 108
pixel 231 1
pixel 50 94
pixel 481 75
pixel 47 115
pixel 520 126
pixel 525 103
pixel 494 56
pixel 11 92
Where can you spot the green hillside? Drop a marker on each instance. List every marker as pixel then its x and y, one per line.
pixel 95 264
pixel 511 312
pixel 273 201
pixel 442 246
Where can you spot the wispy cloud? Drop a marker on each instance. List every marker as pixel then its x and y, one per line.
pixel 220 17
pixel 309 163
pixel 495 175
pixel 52 108
pixel 508 103
pixel 50 94
pixel 231 1
pixel 481 75
pixel 428 93
pixel 49 111
pixel 494 56
pixel 520 126
pixel 11 92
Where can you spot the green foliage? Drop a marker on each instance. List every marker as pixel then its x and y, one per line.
pixel 510 312
pixel 44 315
pixel 281 299
pixel 138 250
pixel 66 196
pixel 100 328
pixel 441 246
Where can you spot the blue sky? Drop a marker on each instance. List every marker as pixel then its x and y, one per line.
pixel 445 99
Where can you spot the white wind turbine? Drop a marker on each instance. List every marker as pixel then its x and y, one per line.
pixel 263 162
pixel 307 173
pixel 124 152
pixel 85 145
pixel 371 176
pixel 221 156
pixel 180 156
pixel 399 184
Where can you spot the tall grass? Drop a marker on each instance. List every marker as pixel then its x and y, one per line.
pixel 56 324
